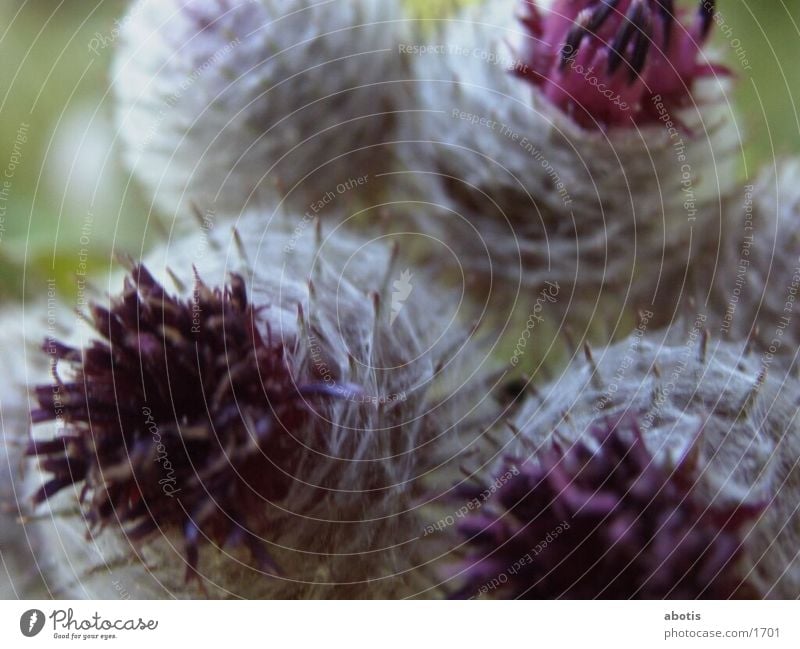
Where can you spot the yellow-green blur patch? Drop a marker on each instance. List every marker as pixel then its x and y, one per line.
pixel 436 8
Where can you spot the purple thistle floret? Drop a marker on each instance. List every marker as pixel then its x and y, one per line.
pixel 610 523
pixel 181 417
pixel 603 61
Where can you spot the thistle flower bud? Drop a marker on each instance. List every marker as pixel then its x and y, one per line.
pixel 224 102
pixel 263 429
pixel 639 49
pixel 656 444
pixel 749 283
pixel 602 520
pixel 539 180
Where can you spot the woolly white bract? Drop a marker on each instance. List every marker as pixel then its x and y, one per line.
pixel 22 332
pixel 750 289
pixel 220 102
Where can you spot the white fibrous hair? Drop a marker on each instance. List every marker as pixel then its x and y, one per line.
pixel 388 380
pixel 528 194
pixel 691 395
pixel 750 288
pixel 23 364
pixel 225 102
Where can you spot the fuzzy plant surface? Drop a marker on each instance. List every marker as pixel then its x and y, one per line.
pixel 21 547
pixel 230 102
pixel 581 142
pixel 260 425
pixel 749 282
pixel 666 441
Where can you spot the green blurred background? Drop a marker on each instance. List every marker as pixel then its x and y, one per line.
pixel 69 194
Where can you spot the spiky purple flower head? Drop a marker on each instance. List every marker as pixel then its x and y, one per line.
pixel 602 519
pixel 603 61
pixel 306 431
pixel 183 415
